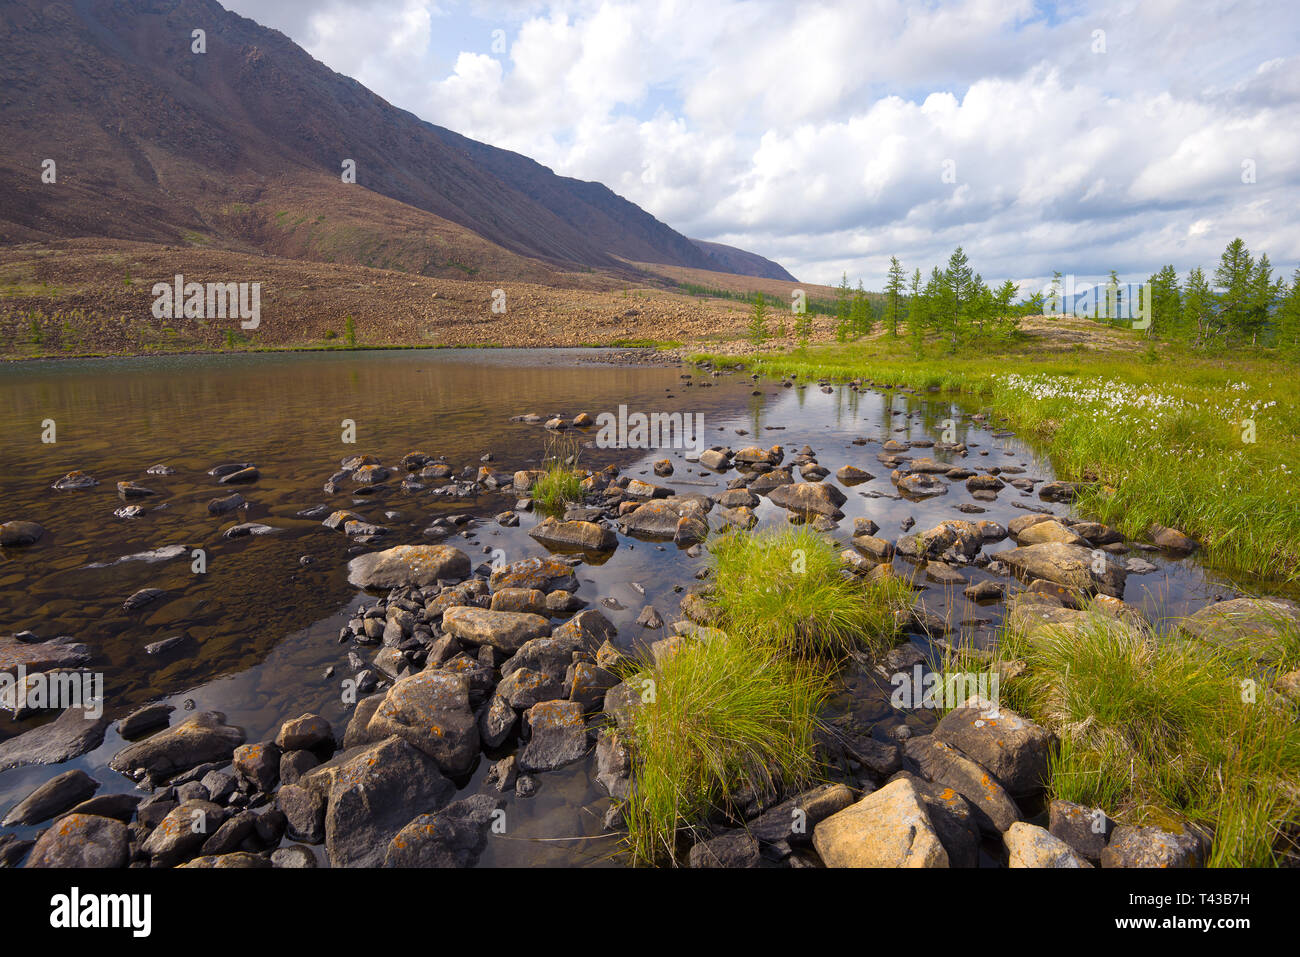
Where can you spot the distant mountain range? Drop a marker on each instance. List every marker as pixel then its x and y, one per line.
pixel 243 146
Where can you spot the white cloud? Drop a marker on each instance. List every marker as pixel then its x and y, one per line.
pixel 817 134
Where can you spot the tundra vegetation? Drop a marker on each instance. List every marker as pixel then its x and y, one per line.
pixel 1195 431
pixel 737 713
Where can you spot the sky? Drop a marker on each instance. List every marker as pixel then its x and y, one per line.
pixel 1077 137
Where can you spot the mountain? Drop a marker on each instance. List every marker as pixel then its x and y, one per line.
pixel 242 147
pixel 742 263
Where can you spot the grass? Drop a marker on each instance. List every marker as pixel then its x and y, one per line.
pixel 786 587
pixel 1155 729
pixel 1202 443
pixel 561 480
pixel 739 712
pixel 726 715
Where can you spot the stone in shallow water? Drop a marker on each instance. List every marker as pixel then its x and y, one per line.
pixel 408 566
pixel 82 840
pixel 71 734
pixel 452 837
pixel 558 736
pixel 201 739
pixel 431 711
pixel 376 793
pixel 19 533
pixel 56 795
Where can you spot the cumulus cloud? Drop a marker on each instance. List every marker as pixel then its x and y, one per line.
pixel 829 136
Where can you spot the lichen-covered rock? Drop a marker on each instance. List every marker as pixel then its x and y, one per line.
pixel 408 565
pixel 887 828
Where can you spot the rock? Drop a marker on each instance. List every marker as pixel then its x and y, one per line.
pixel 987 590
pixel 945 765
pixel 1050 531
pixel 304 811
pixel 309 732
pixel 82 840
pixel 258 765
pixel 528 601
pixel 1058 491
pixel 231 834
pixel 1085 829
pixel 1016 750
pixel 166 645
pixel 120 807
pixel 1258 626
pixel 613 764
pixel 502 775
pixel 544 574
pixel 1172 540
pixel 496 721
pixel 955 540
pixel 142 597
pixel 1152 847
pixel 742 516
pixel 55 796
pixel 715 459
pixel 75 480
pixel 431 711
pixel 887 828
pixel 408 566
pixel 227 504
pixel 557 736
pixel 38 656
pixel 294 855
pixel 918 485
pixel 182 832
pixel 852 475
pixel 660 518
pixel 736 848
pixel 587 536
pixel 952 818
pixel 144 719
pixel 816 498
pixel 505 631
pixel 792 821
pixel 1031 846
pixel 1071 565
pixel 240 860
pixel 243 476
pixel 71 734
pixel 374 795
pixel 19 534
pixel 452 837
pixel 199 740
pixel 649 618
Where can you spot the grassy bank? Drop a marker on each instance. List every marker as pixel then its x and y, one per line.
pixel 1159 729
pixel 1203 443
pixel 737 713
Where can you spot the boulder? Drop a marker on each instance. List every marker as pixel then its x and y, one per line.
pixel 71 734
pixel 18 534
pixel 452 837
pixel 505 631
pixel 1031 846
pixel 58 794
pixel 408 566
pixel 887 828
pixel 82 840
pixel 431 711
pixel 557 736
pixel 730 849
pixel 202 739
pixel 816 498
pixel 1074 566
pixel 587 536
pixel 1016 750
pixel 544 574
pixel 1254 625
pixel 1152 847
pixel 943 764
pixel 374 794
pixel 1085 829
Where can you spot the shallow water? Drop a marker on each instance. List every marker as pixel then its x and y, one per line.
pixel 263 627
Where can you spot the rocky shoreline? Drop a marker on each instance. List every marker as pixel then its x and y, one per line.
pixel 458 661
